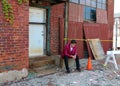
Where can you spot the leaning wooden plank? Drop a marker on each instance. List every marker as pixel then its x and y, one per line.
pixel 96 48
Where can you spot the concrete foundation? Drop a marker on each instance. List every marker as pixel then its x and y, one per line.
pixel 59 61
pixel 71 63
pixel 13 75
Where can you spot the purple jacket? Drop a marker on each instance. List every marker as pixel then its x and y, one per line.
pixel 68 52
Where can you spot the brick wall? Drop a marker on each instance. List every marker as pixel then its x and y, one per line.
pixel 57 14
pixel 102 16
pixel 76 12
pixel 104 24
pixel 14 38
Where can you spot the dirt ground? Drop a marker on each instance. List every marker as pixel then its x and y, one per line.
pixel 98 76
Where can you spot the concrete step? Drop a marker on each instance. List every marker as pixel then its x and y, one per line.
pixel 44 65
pixel 46 70
pixel 39 58
pixel 41 61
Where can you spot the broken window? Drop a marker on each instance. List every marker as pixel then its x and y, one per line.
pixel 100 4
pixel 90 7
pixel 89 13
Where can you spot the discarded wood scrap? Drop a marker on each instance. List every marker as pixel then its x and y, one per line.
pixel 97 49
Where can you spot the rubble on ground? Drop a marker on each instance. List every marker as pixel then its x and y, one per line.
pixel 99 76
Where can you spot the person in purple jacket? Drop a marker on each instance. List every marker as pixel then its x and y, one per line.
pixel 70 51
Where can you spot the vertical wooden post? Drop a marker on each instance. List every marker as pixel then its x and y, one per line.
pixel 65 29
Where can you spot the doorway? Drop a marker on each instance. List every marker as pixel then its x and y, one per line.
pixel 37 32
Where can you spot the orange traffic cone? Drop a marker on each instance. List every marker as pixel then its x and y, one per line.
pixel 89 65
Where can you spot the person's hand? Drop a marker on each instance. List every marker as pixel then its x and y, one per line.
pixel 71 56
pixel 74 57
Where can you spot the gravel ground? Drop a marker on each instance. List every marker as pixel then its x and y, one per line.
pixel 99 76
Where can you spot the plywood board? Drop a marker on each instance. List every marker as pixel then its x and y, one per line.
pixel 96 48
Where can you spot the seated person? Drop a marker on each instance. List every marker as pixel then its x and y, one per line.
pixel 70 51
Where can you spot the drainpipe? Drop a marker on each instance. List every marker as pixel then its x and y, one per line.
pixel 66 21
pixel 48 31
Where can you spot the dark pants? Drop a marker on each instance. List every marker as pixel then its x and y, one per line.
pixel 76 60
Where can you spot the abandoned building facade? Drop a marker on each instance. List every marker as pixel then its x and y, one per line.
pixel 42 27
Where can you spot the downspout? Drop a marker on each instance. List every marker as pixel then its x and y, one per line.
pixel 66 22
pixel 48 32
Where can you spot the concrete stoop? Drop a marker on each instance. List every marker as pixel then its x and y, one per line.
pixel 40 65
pixel 46 71
pixel 44 65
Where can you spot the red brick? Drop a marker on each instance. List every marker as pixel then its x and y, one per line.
pixel 57 12
pixel 13 50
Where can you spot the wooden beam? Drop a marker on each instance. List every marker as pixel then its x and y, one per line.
pixel 50 1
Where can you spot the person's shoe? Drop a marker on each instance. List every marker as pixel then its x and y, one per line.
pixel 68 71
pixel 78 69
